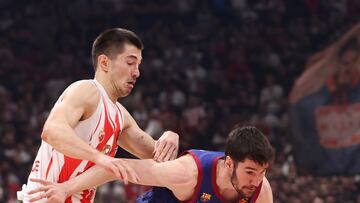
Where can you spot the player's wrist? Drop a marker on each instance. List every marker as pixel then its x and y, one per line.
pixel 69 188
pixel 96 157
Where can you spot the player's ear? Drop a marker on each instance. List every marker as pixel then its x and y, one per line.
pixel 229 162
pixel 103 62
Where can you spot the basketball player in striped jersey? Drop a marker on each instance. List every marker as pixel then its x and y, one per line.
pixel 238 175
pixel 87 124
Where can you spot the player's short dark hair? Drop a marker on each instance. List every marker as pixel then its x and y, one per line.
pixel 111 43
pixel 249 143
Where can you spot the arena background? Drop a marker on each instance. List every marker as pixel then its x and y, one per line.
pixel 208 65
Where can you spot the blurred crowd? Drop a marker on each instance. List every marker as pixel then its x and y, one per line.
pixel 208 65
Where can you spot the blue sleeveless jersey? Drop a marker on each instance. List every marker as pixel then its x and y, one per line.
pixel 157 195
pixel 206 190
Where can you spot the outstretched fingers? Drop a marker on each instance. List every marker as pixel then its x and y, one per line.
pixel 127 173
pixel 42 182
pixel 167 152
pixel 38 197
pixel 37 190
pixel 165 147
pixel 159 147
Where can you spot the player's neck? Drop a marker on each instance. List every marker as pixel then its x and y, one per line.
pixel 109 89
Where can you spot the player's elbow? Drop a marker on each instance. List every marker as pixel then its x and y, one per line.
pixel 48 133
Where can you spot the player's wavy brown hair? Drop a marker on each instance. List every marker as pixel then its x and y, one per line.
pixel 249 143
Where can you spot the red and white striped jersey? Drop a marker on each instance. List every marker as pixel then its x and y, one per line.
pixel 99 131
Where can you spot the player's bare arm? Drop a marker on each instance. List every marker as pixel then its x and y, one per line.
pixel 179 175
pixel 58 192
pixel 141 144
pixel 79 102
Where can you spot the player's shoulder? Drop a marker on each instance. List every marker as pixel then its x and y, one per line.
pixel 265 195
pixel 266 185
pixel 120 106
pixel 188 160
pixel 82 90
pixel 83 86
pixel 87 83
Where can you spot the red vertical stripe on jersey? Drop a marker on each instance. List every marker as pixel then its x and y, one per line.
pixel 50 164
pixel 109 116
pixel 213 181
pixel 48 168
pixel 108 130
pixel 116 133
pixel 199 178
pixel 97 125
pixel 122 122
pixel 256 193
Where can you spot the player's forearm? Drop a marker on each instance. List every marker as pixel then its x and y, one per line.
pixel 141 145
pixel 135 140
pixel 147 148
pixel 96 176
pixel 91 178
pixel 147 171
pixel 168 174
pixel 64 140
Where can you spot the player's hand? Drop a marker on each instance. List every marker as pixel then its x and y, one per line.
pixel 116 167
pixel 166 147
pixel 52 192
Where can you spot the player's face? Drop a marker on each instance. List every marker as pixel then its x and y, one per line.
pixel 247 176
pixel 347 66
pixel 124 70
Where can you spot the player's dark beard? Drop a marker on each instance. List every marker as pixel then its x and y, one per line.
pixel 233 181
